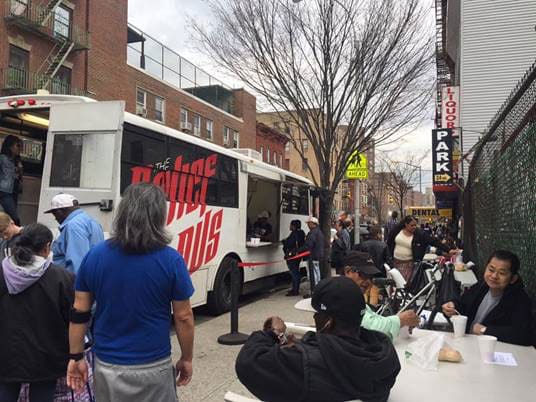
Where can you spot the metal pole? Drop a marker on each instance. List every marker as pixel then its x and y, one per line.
pixel 234 337
pixel 420 179
pixel 357 211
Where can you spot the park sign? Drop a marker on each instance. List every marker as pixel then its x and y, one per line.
pixel 357 166
pixel 442 158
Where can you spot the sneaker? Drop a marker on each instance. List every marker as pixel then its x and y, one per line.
pixel 291 293
pixel 306 296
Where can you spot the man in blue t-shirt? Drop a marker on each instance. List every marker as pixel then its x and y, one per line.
pixel 134 293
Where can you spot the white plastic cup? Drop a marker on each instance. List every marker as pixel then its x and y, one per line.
pixel 459 322
pixel 255 241
pixel 404 332
pixel 487 344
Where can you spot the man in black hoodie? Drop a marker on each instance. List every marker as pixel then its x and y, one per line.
pixel 497 305
pixel 340 362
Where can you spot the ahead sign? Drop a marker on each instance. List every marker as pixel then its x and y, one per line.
pixel 442 156
pixel 358 166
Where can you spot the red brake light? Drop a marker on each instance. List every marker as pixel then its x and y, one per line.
pixel 20 102
pixel 31 102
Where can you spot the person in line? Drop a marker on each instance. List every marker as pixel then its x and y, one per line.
pixel 10 233
pixel 314 243
pixel 10 176
pixel 497 305
pixel 360 270
pixel 291 245
pixel 35 299
pixel 391 224
pixel 262 228
pixel 379 252
pixel 78 232
pixel 340 246
pixel 135 279
pixel 349 226
pixel 408 244
pixel 342 361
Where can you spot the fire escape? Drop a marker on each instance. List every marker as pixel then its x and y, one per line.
pixel 444 73
pixel 45 21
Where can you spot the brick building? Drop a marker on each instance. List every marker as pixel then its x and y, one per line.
pixel 88 48
pixel 271 145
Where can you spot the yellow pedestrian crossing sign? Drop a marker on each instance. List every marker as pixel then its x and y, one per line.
pixel 358 166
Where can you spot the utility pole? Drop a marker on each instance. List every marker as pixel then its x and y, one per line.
pixel 357 211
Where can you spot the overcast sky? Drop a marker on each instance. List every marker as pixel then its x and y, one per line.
pixel 168 21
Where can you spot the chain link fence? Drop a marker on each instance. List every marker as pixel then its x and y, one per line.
pixel 500 195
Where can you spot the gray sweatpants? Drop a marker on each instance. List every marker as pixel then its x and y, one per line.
pixel 153 382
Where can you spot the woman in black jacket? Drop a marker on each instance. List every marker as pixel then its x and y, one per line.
pixel 291 244
pixel 35 299
pixel 408 244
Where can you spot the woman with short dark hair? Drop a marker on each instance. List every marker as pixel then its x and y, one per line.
pixel 35 299
pixel 135 279
pixel 10 176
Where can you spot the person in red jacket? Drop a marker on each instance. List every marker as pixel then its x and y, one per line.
pixel 498 305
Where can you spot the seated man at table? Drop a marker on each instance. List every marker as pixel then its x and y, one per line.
pixel 497 305
pixel 262 228
pixel 340 362
pixel 359 268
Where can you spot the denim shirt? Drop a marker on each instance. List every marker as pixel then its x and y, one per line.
pixel 8 173
pixel 78 233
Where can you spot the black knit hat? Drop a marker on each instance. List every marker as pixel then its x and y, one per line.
pixel 341 298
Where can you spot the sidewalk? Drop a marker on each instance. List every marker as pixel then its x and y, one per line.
pixel 214 372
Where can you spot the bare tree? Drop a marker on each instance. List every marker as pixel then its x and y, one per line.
pixel 377 193
pixel 361 64
pixel 401 177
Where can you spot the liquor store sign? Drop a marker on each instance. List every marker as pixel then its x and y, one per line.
pixel 442 156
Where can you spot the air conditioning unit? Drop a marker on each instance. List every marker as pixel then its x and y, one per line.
pixel 250 153
pixel 186 126
pixel 141 111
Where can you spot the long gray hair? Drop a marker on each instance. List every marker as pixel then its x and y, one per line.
pixel 139 226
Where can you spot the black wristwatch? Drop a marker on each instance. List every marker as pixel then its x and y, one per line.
pixel 76 356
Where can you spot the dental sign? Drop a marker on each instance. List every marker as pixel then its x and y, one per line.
pixel 442 157
pixel 450 108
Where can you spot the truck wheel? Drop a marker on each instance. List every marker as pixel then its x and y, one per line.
pixel 219 299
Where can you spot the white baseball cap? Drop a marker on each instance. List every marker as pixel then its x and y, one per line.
pixel 312 219
pixel 62 201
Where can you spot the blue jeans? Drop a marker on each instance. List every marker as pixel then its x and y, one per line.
pixel 9 203
pixel 294 268
pixel 39 391
pixel 314 273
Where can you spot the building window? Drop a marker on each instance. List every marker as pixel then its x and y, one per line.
pixel 305 164
pixel 210 125
pixel 197 125
pixel 18 67
pixel 19 7
pixel 226 131
pixel 287 147
pixel 268 154
pixel 280 160
pixel 262 152
pixel 275 158
pixel 305 145
pixel 62 22
pixel 61 83
pixel 184 115
pixel 141 97
pixel 236 139
pixel 159 109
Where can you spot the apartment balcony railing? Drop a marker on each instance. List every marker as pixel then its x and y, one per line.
pixel 146 53
pixel 19 81
pixel 44 22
